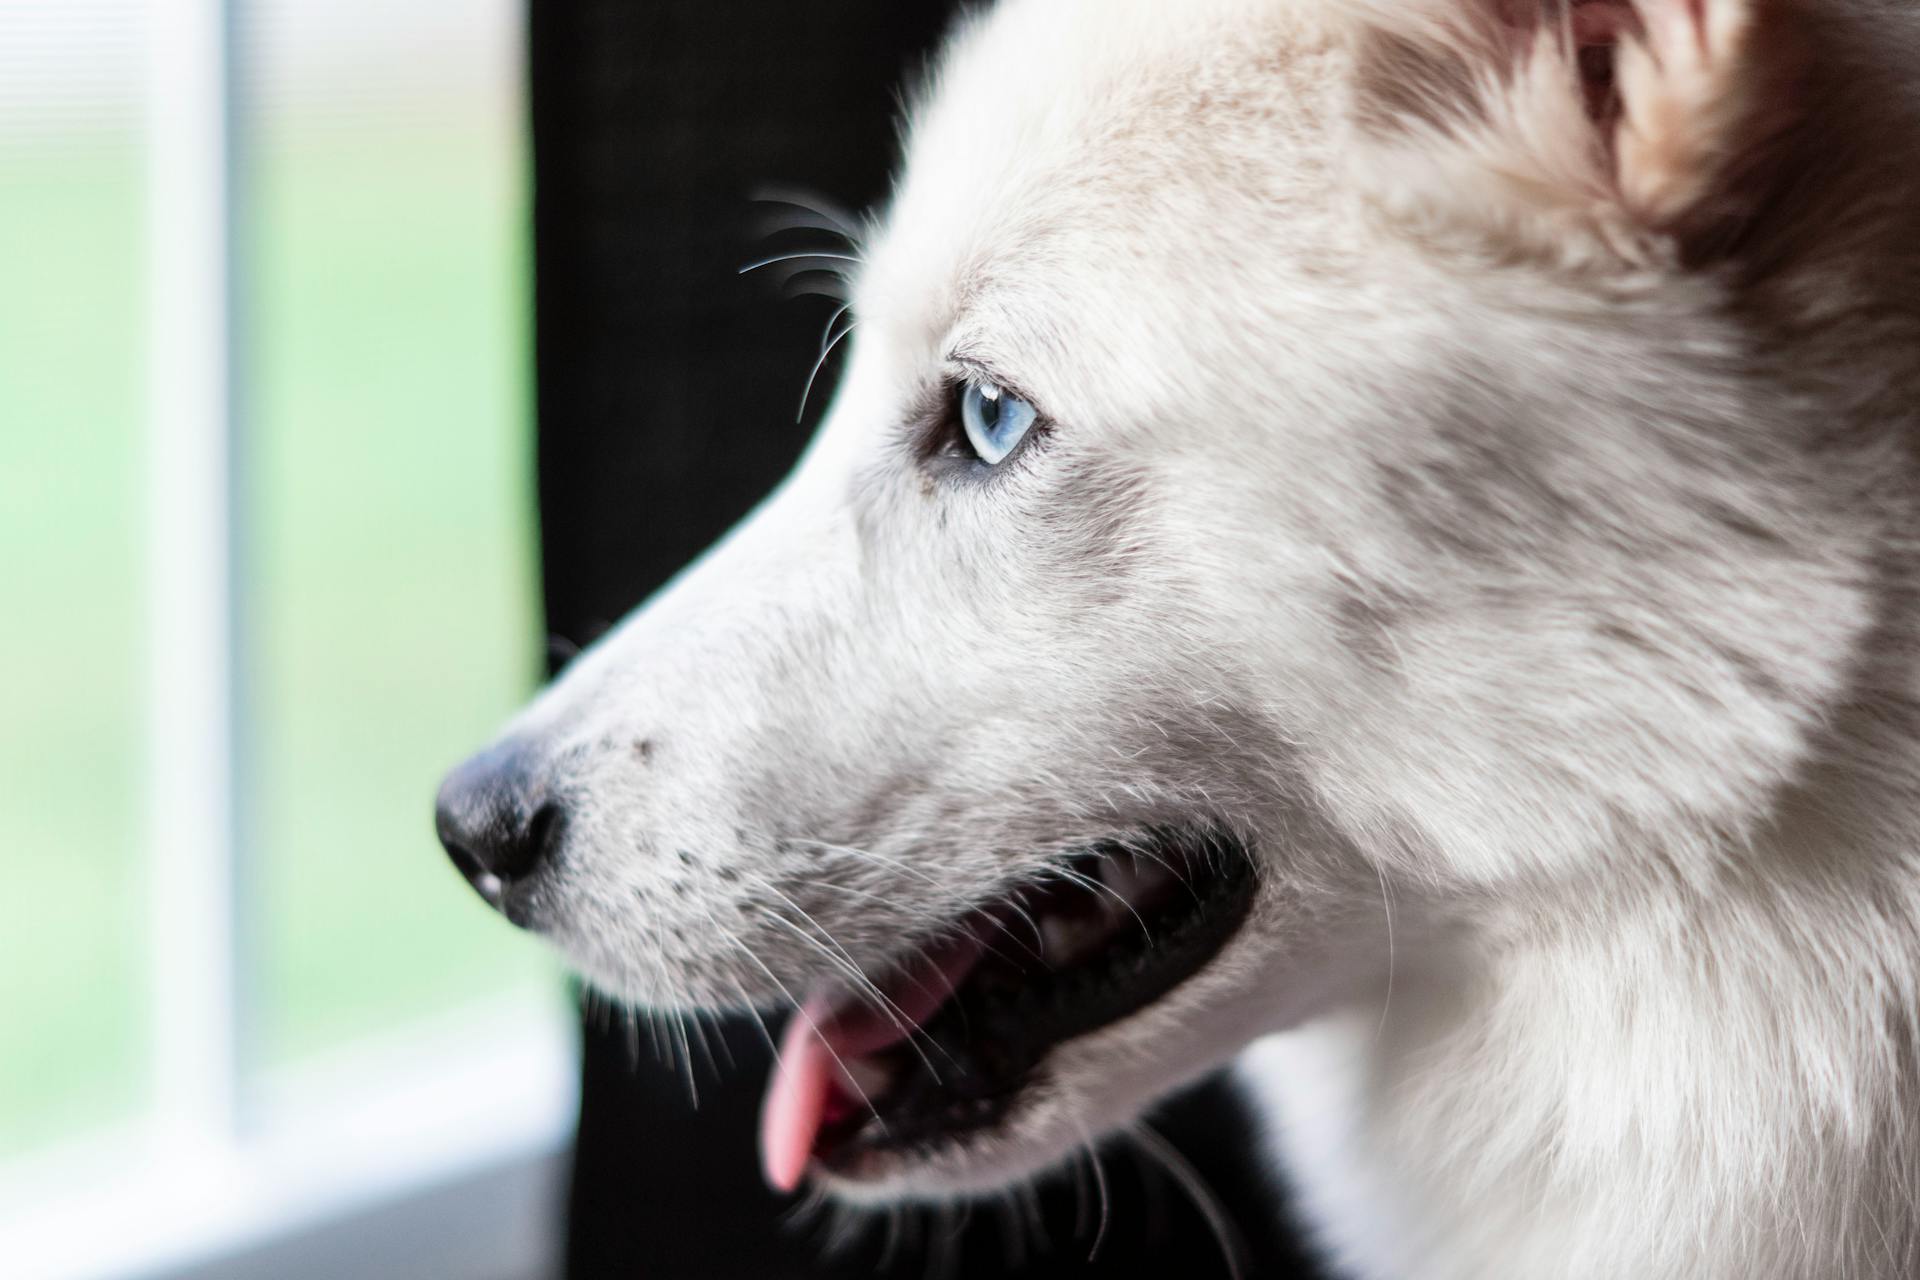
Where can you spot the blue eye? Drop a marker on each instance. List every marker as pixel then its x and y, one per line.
pixel 996 421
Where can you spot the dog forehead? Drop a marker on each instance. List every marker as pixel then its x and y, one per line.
pixel 1071 132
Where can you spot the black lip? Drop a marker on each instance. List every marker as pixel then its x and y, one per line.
pixel 989 1043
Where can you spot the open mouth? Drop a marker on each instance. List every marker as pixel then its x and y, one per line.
pixel 946 1044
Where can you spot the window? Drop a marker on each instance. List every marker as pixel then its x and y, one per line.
pixel 387 490
pixel 71 342
pixel 265 487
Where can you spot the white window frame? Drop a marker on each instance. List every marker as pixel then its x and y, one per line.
pixel 437 1146
pixel 354 1170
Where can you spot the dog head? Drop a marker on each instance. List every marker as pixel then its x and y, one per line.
pixel 1290 448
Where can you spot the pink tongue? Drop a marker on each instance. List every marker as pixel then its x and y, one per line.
pixel 795 1109
pixel 810 1089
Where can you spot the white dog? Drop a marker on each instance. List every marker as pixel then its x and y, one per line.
pixel 1381 528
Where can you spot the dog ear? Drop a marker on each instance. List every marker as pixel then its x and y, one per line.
pixel 1648 125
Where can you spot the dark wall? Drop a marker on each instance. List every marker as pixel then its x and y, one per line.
pixel 667 391
pixel 668 382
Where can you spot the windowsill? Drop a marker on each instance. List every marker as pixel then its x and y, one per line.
pixel 483 1099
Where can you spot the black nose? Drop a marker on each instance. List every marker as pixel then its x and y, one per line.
pixel 496 821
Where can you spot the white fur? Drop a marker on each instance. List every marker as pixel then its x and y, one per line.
pixel 1497 510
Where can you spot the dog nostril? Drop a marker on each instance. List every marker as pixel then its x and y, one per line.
pixel 494 824
pixel 487 884
pixel 542 837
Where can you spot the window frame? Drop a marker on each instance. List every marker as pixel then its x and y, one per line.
pixel 355 1167
pixel 443 1139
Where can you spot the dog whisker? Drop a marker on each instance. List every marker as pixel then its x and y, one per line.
pixel 800 1011
pixel 630 1034
pixel 827 339
pixel 1225 1235
pixel 759 1019
pixel 826 353
pixel 1178 874
pixel 1386 1004
pixel 1096 886
pixel 869 855
pixel 1028 1199
pixel 692 1020
pixel 802 256
pixel 802 285
pixel 1106 1200
pixel 864 990
pixel 933 918
pixel 799 220
pixel 686 1054
pixel 825 215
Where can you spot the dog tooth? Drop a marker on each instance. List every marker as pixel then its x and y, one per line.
pixel 1138 880
pixel 1056 939
pixel 869 1077
pixel 1131 877
pixel 1068 939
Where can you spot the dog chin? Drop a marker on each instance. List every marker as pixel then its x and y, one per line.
pixel 1052 1122
pixel 1037 1137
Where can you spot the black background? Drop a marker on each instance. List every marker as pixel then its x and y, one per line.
pixel 667 387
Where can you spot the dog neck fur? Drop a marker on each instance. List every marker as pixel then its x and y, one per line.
pixel 1697 1058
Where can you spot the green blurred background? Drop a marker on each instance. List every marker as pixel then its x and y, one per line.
pixel 388 605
